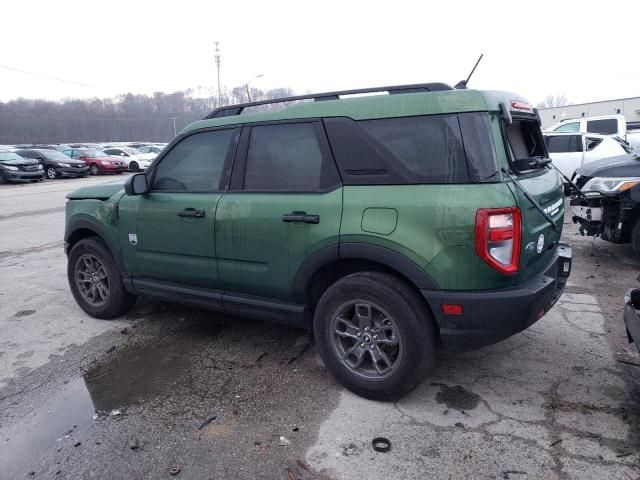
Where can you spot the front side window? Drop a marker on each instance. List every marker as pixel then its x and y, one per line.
pixel 569 127
pixel 195 163
pixel 429 149
pixel 283 158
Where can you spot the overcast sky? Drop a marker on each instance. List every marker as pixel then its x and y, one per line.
pixel 534 48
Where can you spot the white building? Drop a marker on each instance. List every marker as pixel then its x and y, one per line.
pixel 629 107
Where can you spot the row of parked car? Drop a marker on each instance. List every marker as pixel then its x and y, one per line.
pixel 35 162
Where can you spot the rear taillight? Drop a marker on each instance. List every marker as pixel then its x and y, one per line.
pixel 498 236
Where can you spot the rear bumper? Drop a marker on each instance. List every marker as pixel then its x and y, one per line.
pixel 491 316
pixel 632 320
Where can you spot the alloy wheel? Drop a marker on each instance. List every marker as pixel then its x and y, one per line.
pixel 51 173
pixel 92 280
pixel 366 339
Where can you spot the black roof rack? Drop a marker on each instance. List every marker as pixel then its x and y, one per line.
pixel 237 109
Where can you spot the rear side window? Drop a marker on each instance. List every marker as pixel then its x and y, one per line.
pixel 285 158
pixel 564 143
pixel 195 163
pixel 425 149
pixel 607 126
pixel 479 146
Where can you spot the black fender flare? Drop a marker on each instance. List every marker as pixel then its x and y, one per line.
pixel 85 222
pixel 360 251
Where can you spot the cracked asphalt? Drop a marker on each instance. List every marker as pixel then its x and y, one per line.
pixel 211 396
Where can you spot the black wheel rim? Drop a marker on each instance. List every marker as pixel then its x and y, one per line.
pixel 366 339
pixel 51 173
pixel 92 280
pixel 134 167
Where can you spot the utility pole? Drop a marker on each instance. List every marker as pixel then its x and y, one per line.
pixel 174 124
pixel 217 57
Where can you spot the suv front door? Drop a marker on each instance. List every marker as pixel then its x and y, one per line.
pixel 168 234
pixel 284 204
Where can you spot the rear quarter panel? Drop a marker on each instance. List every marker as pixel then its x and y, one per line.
pixel 435 228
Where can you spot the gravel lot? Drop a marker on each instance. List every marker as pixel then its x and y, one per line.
pixel 212 396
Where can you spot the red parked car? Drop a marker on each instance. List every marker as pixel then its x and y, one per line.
pixel 98 161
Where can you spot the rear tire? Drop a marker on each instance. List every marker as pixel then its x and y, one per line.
pixel 94 169
pixel 134 167
pixel 635 237
pixel 375 335
pixel 95 280
pixel 51 173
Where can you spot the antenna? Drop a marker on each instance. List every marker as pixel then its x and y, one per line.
pixel 461 85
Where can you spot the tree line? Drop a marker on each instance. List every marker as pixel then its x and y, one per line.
pixel 127 117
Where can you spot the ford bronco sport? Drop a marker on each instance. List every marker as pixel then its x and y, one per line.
pixel 387 225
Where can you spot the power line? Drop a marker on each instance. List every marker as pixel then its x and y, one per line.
pixel 48 77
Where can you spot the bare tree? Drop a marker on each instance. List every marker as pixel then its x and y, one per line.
pixel 558 100
pixel 127 117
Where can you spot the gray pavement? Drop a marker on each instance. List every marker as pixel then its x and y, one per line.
pixel 220 397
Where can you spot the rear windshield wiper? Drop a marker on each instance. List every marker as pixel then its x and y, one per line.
pixel 531 200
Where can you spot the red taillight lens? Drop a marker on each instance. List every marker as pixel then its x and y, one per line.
pixel 498 235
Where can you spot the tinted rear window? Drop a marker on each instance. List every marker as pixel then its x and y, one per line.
pixel 607 126
pixel 524 142
pixel 563 143
pixel 428 149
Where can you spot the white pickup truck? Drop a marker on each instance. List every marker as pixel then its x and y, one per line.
pixel 570 151
pixel 613 125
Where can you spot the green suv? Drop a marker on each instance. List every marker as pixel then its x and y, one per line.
pixel 387 225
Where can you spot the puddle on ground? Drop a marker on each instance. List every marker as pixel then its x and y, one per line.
pixel 138 373
pixel 457 397
pixel 25 443
pixel 128 377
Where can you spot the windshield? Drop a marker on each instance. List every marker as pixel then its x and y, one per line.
pixel 8 156
pixel 92 152
pixel 54 155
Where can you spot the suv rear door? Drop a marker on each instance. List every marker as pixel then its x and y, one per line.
pixel 167 235
pixel 524 144
pixel 284 203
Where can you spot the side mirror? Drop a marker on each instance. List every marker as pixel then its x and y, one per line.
pixel 136 185
pixel 82 158
pixel 122 154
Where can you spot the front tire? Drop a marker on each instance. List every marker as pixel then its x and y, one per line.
pixel 635 237
pixel 95 281
pixel 375 335
pixel 94 169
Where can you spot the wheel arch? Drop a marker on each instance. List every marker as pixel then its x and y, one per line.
pixel 85 227
pixel 330 264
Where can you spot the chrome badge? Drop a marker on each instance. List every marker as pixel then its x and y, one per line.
pixel 133 239
pixel 540 244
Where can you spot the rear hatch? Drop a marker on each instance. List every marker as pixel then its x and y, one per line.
pixel 527 157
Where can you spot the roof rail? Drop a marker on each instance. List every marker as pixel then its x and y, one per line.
pixel 237 109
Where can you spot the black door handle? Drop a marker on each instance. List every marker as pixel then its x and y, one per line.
pixel 192 212
pixel 300 217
